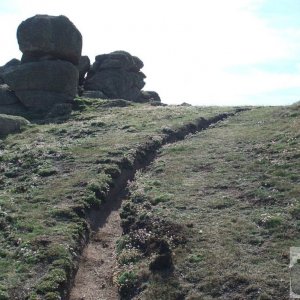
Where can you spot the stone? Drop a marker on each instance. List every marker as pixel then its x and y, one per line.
pixel 9 103
pixel 9 65
pixel 83 67
pixel 17 109
pixel 149 96
pixel 116 83
pixel 94 95
pixel 43 37
pixel 117 75
pixel 185 104
pixel 11 124
pixel 118 60
pixel 56 76
pixel 42 101
pixel 7 97
pixel 40 85
pixel 60 110
pixel 29 57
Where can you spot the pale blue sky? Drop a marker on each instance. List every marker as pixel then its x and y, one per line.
pixel 205 52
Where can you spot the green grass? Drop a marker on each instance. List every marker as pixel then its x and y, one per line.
pixel 55 170
pixel 232 213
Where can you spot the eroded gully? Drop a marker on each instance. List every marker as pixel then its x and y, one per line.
pixel 95 278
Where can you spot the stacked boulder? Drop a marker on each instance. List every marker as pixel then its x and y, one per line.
pixel 48 73
pixel 9 103
pixel 150 96
pixel 52 71
pixel 116 75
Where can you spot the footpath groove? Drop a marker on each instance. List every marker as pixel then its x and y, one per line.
pixel 97 270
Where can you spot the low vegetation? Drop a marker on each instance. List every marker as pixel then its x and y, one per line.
pixel 215 215
pixel 57 170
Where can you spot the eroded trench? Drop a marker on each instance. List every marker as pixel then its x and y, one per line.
pixel 98 269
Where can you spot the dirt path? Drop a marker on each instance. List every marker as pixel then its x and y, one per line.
pixel 94 279
pixel 98 265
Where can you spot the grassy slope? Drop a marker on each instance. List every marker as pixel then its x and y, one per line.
pixel 51 173
pixel 226 202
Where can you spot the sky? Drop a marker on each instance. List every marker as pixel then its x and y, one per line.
pixel 204 52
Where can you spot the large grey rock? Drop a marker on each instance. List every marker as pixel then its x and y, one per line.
pixel 118 60
pixel 17 109
pixel 83 67
pixel 117 75
pixel 9 65
pixel 94 95
pixel 40 85
pixel 59 110
pixel 11 124
pixel 42 100
pixel 47 37
pixel 9 103
pixel 56 76
pixel 116 84
pixel 7 97
pixel 149 96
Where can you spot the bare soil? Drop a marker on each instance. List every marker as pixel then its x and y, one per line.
pixel 94 279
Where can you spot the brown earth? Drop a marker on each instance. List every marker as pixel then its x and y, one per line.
pixel 94 279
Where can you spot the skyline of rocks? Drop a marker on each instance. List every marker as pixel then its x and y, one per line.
pixel 52 71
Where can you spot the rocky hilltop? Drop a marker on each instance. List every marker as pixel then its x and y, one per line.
pixel 52 71
pixel 105 198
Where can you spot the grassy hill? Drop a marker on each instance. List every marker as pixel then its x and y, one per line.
pixel 54 174
pixel 220 209
pixel 214 215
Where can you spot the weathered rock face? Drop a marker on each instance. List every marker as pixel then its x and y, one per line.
pixel 118 60
pixel 49 37
pixel 52 70
pixel 9 65
pixel 46 75
pixel 11 124
pixel 116 84
pixel 83 67
pixel 94 94
pixel 39 85
pixel 56 76
pixel 117 75
pixel 150 96
pixel 7 97
pixel 9 102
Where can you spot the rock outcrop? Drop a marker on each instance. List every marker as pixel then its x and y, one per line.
pixel 149 96
pixel 44 37
pixel 83 67
pixel 7 97
pixel 47 74
pixel 94 95
pixel 52 71
pixel 11 124
pixel 116 75
pixel 9 65
pixel 40 85
pixel 9 102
